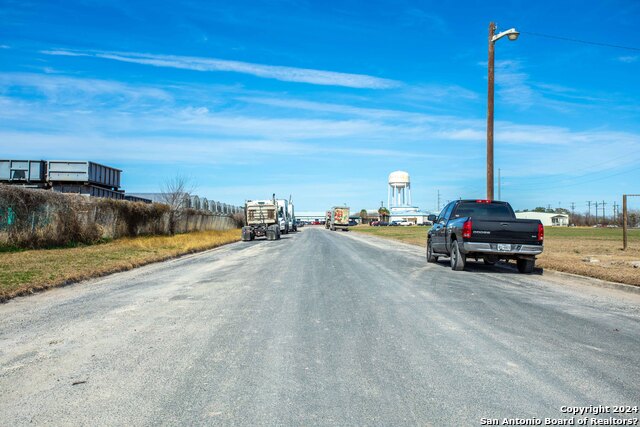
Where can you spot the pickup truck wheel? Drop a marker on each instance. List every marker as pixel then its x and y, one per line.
pixel 430 256
pixel 526 266
pixel 458 260
pixel 488 261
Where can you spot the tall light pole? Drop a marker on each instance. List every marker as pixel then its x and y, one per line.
pixel 512 35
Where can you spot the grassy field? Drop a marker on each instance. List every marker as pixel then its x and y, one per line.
pixel 27 271
pixel 594 252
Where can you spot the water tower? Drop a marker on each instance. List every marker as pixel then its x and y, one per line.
pixel 399 192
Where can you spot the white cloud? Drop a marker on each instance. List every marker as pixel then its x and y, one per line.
pixel 283 73
pixel 440 93
pixel 163 131
pixel 628 58
pixel 60 89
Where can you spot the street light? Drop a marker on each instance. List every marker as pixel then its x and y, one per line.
pixel 512 34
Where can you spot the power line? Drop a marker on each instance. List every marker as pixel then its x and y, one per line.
pixel 590 168
pixel 549 36
pixel 568 182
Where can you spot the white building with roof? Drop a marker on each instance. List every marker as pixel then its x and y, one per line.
pixel 547 219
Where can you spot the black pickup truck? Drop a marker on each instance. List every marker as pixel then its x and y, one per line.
pixel 484 229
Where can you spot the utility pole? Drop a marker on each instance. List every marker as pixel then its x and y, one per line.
pixel 589 214
pixel 596 212
pixel 512 34
pixel 624 222
pixel 573 208
pixel 438 201
pixel 490 79
pixel 604 217
pixel 499 186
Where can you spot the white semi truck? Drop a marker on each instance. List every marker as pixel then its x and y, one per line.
pixel 293 225
pixel 261 220
pixel 283 216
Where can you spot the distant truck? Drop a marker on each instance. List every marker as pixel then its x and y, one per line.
pixel 283 215
pixel 484 229
pixel 261 220
pixel 339 218
pixel 293 223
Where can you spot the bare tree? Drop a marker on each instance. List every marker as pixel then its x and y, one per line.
pixel 176 192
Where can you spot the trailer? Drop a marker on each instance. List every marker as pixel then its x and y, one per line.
pixel 89 190
pixel 339 218
pixel 23 172
pixel 83 172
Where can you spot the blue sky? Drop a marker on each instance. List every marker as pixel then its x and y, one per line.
pixel 322 100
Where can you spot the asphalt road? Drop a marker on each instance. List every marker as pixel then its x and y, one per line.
pixel 319 328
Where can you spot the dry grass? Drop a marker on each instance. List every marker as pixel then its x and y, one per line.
pixel 566 249
pixel 33 270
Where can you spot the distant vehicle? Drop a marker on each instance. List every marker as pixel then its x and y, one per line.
pixel 291 216
pixel 338 218
pixel 261 220
pixel 383 224
pixel 299 224
pixel 484 229
pixel 352 223
pixel 283 216
pixel 394 223
pixel 327 220
pixel 406 223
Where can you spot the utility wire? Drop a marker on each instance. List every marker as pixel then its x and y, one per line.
pixel 637 49
pixel 562 185
pixel 567 174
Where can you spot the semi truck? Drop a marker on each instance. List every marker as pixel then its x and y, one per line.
pixel 293 224
pixel 339 218
pixel 261 220
pixel 283 215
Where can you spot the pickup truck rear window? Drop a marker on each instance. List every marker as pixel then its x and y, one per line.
pixel 483 210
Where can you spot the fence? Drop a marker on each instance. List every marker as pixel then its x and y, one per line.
pixel 39 218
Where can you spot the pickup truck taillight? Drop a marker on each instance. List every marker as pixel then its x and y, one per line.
pixel 467 229
pixel 540 232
